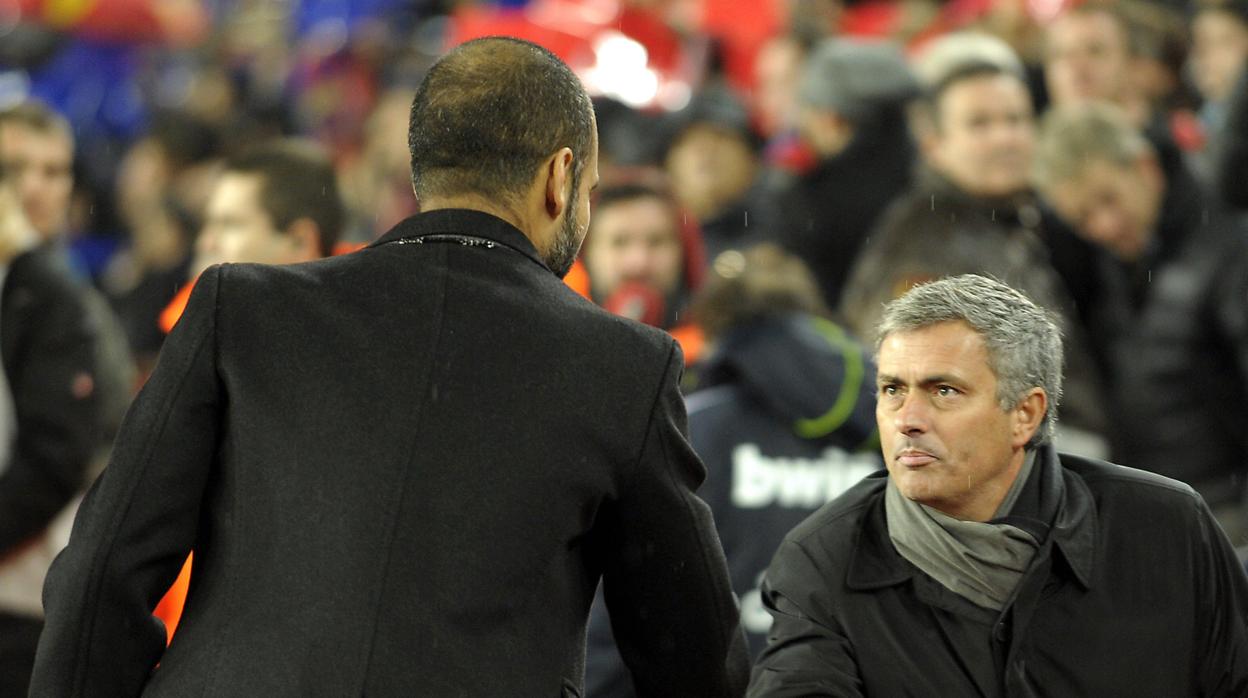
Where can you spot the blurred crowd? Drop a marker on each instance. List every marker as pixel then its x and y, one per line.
pixel 772 172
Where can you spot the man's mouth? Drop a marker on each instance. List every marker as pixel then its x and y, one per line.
pixel 914 458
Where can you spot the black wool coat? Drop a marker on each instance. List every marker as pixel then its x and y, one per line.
pixel 1135 592
pixel 403 472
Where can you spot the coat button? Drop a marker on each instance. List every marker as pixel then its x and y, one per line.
pixel 999 632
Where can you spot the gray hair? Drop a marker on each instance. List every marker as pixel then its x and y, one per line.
pixel 1023 340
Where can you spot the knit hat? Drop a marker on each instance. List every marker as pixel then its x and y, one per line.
pixel 856 78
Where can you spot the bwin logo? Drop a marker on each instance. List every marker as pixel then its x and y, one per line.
pixel 759 481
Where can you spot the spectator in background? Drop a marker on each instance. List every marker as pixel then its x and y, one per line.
pixel 162 187
pixel 642 259
pixel 972 210
pixel 276 203
pixel 376 183
pixel 1091 51
pixel 782 417
pixel 985 562
pixel 51 421
pixel 1171 321
pixel 853 97
pixel 1088 58
pixel 712 164
pixel 37 148
pixel 1219 51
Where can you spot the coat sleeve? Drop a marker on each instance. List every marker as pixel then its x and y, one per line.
pixel 665 580
pixel 137 522
pixel 1223 612
pixel 54 397
pixel 805 655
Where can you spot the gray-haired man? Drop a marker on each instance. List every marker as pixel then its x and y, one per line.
pixel 985 563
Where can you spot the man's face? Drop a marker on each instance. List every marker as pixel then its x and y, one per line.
pixel 1113 206
pixel 1087 58
pixel 634 240
pixel 710 168
pixel 40 166
pixel 571 232
pixel 946 440
pixel 986 136
pixel 238 229
pixel 1219 48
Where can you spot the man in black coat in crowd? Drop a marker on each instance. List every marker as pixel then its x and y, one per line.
pixel 1170 318
pixel 984 563
pixel 403 471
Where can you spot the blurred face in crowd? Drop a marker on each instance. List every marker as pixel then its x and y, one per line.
pixel 710 167
pixel 1087 57
pixel 40 168
pixel 985 135
pixel 1219 48
pixel 238 229
pixel 946 440
pixel 778 68
pixel 634 240
pixel 1114 206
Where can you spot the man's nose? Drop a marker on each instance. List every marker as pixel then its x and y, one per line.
pixel 912 417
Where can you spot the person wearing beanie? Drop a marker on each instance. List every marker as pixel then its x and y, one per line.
pixel 852 99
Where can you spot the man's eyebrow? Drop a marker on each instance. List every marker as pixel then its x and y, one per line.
pixel 926 380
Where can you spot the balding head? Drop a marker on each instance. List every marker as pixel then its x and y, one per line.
pixel 489 113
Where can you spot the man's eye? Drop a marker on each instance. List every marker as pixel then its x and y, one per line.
pixel 946 390
pixel 888 390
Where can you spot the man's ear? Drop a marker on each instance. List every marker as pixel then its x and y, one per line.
pixel 558 173
pixel 305 239
pixel 1028 414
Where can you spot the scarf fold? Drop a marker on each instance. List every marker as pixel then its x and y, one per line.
pixel 981 562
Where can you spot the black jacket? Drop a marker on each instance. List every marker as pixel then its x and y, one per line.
pixel 1172 330
pixel 1134 592
pixel 49 346
pixel 824 215
pixel 784 418
pixel 403 472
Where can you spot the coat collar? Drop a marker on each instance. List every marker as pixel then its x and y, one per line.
pixel 463 222
pixel 874 563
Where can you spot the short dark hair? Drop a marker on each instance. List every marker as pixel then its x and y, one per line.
pixel 628 191
pixel 297 181
pixel 970 70
pixel 488 113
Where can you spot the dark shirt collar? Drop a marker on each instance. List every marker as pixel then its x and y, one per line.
pixel 1052 494
pixel 462 222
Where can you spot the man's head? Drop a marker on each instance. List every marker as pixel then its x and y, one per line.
pixel 969 375
pixel 711 161
pixel 846 83
pixel 980 129
pixel 37 148
pixel 635 239
pixel 502 124
pixel 1102 176
pixel 1219 46
pixel 275 204
pixel 1088 56
pixel 746 286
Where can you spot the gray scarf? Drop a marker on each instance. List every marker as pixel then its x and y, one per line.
pixel 981 562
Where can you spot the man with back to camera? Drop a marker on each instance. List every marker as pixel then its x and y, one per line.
pixel 434 521
pixel 985 563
